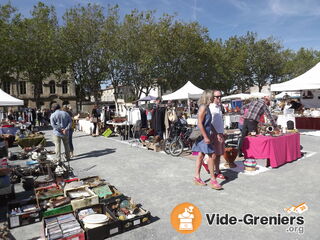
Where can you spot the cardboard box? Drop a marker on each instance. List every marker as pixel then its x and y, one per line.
pixel 109 229
pixel 78 236
pixel 81 202
pixel 116 194
pixel 142 217
pixel 93 181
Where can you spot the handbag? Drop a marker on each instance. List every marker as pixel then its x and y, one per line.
pixel 195 134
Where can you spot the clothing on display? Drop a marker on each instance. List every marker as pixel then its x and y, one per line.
pixel 157 122
pixel 133 115
pixel 169 118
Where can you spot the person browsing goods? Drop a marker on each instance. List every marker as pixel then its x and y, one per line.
pixel 61 124
pixel 255 110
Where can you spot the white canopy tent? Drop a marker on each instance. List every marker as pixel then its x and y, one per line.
pixel 259 95
pixel 307 81
pixel 8 100
pixel 186 92
pixel 241 96
pixel 290 94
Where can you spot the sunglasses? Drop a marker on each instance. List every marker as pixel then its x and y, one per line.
pixel 217 96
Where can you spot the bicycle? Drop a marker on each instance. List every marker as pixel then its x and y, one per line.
pixel 181 141
pixel 175 130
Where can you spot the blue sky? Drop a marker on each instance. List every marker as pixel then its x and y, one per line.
pixel 296 23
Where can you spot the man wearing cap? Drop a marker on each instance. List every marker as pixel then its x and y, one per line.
pixel 61 123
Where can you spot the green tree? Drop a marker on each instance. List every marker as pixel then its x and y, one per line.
pixel 265 62
pixel 38 49
pixel 182 50
pixel 81 35
pixel 9 66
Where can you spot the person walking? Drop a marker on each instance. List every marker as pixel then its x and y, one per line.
pixel 204 146
pixel 217 132
pixel 61 124
pixel 94 119
pixel 255 110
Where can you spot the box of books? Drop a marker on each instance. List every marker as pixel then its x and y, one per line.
pixel 63 227
pixel 81 197
pixel 98 222
pixel 23 212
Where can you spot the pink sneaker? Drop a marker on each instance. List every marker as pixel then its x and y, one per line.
pixel 199 182
pixel 220 176
pixel 215 185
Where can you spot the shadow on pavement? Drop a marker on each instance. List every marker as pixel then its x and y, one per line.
pixel 230 175
pixel 95 153
pixel 80 136
pixel 49 143
pixel 154 219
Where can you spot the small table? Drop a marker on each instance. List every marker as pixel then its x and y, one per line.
pixel 279 150
pixel 307 123
pixel 9 130
pixel 86 126
pixel 31 141
pixel 283 119
pixel 229 119
pixel 120 125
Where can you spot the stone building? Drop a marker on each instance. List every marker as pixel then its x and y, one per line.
pixel 53 91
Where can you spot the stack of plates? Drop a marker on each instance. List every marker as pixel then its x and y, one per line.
pixel 94 220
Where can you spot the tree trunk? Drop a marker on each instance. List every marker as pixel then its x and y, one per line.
pixel 36 91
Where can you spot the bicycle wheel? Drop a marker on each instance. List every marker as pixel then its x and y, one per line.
pixel 166 145
pixel 176 147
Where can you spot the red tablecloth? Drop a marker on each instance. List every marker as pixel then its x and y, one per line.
pixel 307 123
pixel 279 150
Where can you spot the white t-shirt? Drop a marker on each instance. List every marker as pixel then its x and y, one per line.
pixel 217 118
pixel 134 115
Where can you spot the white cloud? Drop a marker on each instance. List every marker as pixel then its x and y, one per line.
pixel 295 7
pixel 241 5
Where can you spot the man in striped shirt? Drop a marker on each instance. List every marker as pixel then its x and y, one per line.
pixel 251 120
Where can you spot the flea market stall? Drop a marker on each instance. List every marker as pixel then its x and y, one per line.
pixel 69 207
pixel 308 84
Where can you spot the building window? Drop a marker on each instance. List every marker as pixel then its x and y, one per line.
pixel 23 87
pixel 52 86
pixel 6 87
pixel 64 87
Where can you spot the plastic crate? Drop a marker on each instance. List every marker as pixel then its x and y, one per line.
pixel 58 211
pixel 22 218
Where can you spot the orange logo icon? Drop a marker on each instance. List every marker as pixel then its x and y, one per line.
pixel 186 218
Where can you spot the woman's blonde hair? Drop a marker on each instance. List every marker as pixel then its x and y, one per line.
pixel 206 97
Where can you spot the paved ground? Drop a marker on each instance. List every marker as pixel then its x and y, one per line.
pixel 160 182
